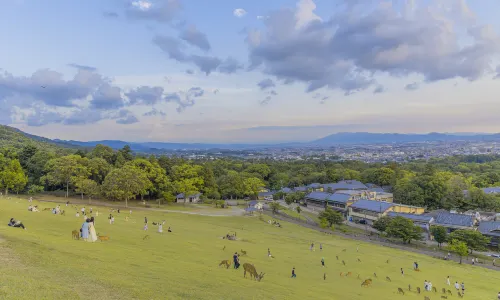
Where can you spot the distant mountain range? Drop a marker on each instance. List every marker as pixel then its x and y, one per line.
pixel 344 138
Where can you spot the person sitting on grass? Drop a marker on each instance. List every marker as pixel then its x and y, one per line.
pixel 14 223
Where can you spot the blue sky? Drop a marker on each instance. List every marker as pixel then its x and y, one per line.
pixel 196 71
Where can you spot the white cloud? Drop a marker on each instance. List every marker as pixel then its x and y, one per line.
pixel 239 12
pixel 142 4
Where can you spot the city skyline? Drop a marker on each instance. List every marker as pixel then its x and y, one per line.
pixel 241 71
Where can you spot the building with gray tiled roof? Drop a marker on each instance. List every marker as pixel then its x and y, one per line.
pixel 454 221
pixel 491 229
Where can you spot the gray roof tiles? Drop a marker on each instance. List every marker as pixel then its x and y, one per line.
pixel 489 228
pixel 413 217
pixel 375 206
pixel 446 218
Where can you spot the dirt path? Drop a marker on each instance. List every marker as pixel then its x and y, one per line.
pixel 376 240
pixel 230 212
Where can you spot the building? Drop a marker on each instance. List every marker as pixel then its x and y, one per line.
pixel 194 198
pixel 315 187
pixel 453 221
pixel 266 196
pixel 491 229
pixel 340 202
pixel 423 221
pixel 383 196
pixel 317 199
pixel 286 190
pixel 344 185
pixel 304 189
pixel 255 204
pixel 355 194
pixel 368 210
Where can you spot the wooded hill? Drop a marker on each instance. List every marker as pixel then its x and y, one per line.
pixel 14 138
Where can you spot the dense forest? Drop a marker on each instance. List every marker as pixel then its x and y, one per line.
pixel 31 167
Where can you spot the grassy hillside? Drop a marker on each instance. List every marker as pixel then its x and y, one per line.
pixel 13 137
pixel 43 262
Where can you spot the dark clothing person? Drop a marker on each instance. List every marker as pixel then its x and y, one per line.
pixel 14 223
pixel 236 260
pixel 145 220
pixel 293 273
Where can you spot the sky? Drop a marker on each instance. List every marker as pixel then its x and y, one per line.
pixel 247 71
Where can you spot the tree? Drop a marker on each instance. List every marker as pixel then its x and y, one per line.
pixel 458 247
pixel 406 191
pixel 331 216
pixel 252 186
pixel 382 223
pixel 404 229
pixel 473 239
pixel 35 189
pixel 440 234
pixel 231 185
pixel 88 187
pixel 187 179
pixel 12 175
pixel 125 183
pixel 61 170
pixel 275 206
pixel 156 175
pixel 103 152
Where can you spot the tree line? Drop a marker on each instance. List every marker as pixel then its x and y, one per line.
pixel 122 175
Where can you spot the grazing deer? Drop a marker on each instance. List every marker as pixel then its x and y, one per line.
pixel 75 234
pixel 348 274
pixel 444 297
pixel 243 252
pixel 359 260
pixel 427 298
pixel 252 271
pixel 337 257
pixel 366 282
pixel 103 238
pixel 375 274
pixel 388 278
pixel 226 263
pixel 400 291
pixel 418 289
pixel 343 262
pixel 449 292
pixel 434 289
pixel 444 291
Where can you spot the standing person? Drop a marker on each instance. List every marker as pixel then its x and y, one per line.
pixel 293 273
pixel 416 265
pixel 426 285
pixel 494 260
pixel 118 210
pixel 146 227
pixel 323 262
pixel 448 280
pixel 269 252
pixel 235 260
pixel 92 233
pixel 402 272
pixel 463 288
pixel 145 220
pixel 449 255
pixel 429 285
pixel 91 210
pixel 457 286
pixel 83 210
pixel 112 219
pixel 160 228
pixel 312 247
pixel 320 247
pixel 85 230
pixel 67 202
pixel 473 261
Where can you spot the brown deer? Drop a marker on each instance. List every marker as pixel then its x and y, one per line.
pixel 427 298
pixel 418 290
pixel 252 271
pixel 348 274
pixel 400 291
pixel 103 238
pixel 243 252
pixel 226 263
pixel 367 282
pixel 444 297
pixel 75 234
pixel 449 292
pixel 434 289
pixel 388 278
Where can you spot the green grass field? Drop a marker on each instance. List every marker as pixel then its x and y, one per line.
pixel 43 262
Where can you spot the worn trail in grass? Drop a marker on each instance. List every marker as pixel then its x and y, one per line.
pixel 43 262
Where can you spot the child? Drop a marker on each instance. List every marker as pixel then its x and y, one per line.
pixel 293 273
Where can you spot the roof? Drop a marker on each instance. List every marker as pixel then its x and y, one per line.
pixel 321 196
pixel 346 185
pixel 489 228
pixel 338 197
pixel 249 209
pixel 253 203
pixel 492 190
pixel 376 206
pixel 413 217
pixel 350 192
pixel 377 190
pixel 181 195
pixel 265 194
pixel 300 188
pixel 446 218
pixel 286 190
pixel 314 185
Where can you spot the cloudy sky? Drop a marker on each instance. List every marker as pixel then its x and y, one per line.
pixel 248 70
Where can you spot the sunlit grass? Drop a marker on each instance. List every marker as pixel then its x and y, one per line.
pixel 43 262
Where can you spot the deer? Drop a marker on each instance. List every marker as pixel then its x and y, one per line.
pixel 243 252
pixel 348 274
pixel 103 238
pixel 359 260
pixel 388 278
pixel 444 297
pixel 460 295
pixel 444 291
pixel 418 289
pixel 324 276
pixel 375 274
pixel 367 282
pixel 337 257
pixel 75 234
pixel 409 288
pixel 400 291
pixel 252 271
pixel 226 263
pixel 146 237
pixel 449 292
pixel 434 289
pixel 343 262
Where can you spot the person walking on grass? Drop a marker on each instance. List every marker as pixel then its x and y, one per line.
pixel 463 288
pixel 312 247
pixel 323 262
pixel 146 227
pixel 293 273
pixel 457 286
pixel 269 253
pixel 320 247
pixel 402 272
pixel 448 280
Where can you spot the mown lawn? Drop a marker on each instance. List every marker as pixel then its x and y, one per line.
pixel 43 262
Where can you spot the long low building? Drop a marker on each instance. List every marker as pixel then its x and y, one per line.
pixel 370 211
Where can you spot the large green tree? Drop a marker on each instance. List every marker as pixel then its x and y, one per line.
pixel 404 229
pixel 252 186
pixel 125 183
pixel 12 175
pixel 474 240
pixel 440 234
pixel 61 170
pixel 331 217
pixel 458 247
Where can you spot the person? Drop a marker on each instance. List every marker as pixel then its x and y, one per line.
pixel 30 200
pixel 426 285
pixel 91 210
pixel 235 260
pixel 35 209
pixel 473 261
pixel 457 287
pixel 160 228
pixel 323 262
pixel 498 296
pixel 77 214
pixel 269 252
pixel 30 208
pixel 416 265
pixel 463 288
pixel 494 260
pixel 92 233
pixel 429 285
pixel 85 230
pixel 118 210
pixel 145 220
pixel 320 247
pixel 312 247
pixel 130 212
pixel 293 273
pixel 402 272
pixel 58 209
pixel 449 255
pixel 112 221
pixel 83 210
pixel 67 202
pixel 14 223
pixel 146 227
pixel 448 280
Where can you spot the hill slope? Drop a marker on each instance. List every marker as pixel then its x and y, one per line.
pixel 13 137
